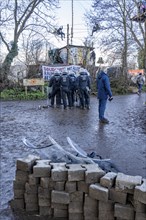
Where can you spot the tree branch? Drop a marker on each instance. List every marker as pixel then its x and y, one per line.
pixel 3 40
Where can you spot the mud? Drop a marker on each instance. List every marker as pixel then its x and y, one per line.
pixel 123 140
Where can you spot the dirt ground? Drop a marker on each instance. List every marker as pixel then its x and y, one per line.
pixel 123 140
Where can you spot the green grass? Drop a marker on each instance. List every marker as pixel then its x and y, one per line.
pixel 19 94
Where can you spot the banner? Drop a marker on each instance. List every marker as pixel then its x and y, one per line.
pixel 33 82
pixel 48 71
pixel 136 72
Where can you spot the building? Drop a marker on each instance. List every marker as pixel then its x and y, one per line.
pixel 73 55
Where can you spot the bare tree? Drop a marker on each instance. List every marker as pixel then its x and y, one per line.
pixel 34 52
pixel 118 34
pixel 138 32
pixel 19 16
pixel 35 49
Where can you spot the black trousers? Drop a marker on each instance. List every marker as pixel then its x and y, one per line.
pixel 66 97
pixel 84 98
pixel 56 94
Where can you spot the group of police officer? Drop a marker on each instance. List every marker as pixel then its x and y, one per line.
pixel 68 88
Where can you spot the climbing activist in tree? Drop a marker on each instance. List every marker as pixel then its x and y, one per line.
pixel 141 14
pixel 119 37
pixel 19 17
pixel 60 32
pixel 142 7
pixel 95 29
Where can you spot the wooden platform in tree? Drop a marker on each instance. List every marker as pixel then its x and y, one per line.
pixel 139 17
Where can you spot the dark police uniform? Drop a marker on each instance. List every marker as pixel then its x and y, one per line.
pixel 55 84
pixel 84 85
pixel 72 87
pixel 65 92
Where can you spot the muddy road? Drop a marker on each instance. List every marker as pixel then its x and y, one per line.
pixel 123 139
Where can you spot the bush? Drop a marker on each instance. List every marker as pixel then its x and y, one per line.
pixel 118 87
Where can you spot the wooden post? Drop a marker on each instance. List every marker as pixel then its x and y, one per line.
pixel 72 25
pixel 145 46
pixel 67 43
pixel 43 90
pixel 25 90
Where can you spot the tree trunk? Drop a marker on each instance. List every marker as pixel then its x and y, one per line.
pixel 125 44
pixel 5 70
pixel 145 48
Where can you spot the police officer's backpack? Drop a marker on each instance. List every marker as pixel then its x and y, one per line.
pixel 83 77
pixel 64 80
pixel 57 79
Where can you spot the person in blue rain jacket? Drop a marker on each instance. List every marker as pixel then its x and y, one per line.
pixel 103 94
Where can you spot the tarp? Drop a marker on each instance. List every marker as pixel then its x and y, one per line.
pixel 135 72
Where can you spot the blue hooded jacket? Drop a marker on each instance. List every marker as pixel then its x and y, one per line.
pixel 103 86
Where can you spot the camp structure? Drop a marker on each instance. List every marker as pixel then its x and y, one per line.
pixel 141 16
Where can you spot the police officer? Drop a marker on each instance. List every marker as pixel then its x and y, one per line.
pixel 84 86
pixel 55 84
pixel 72 87
pixel 65 92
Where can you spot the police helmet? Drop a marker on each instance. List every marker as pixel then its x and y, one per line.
pixel 64 73
pixel 83 71
pixel 71 73
pixel 56 72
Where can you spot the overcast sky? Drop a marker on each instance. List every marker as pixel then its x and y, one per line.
pixel 64 15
